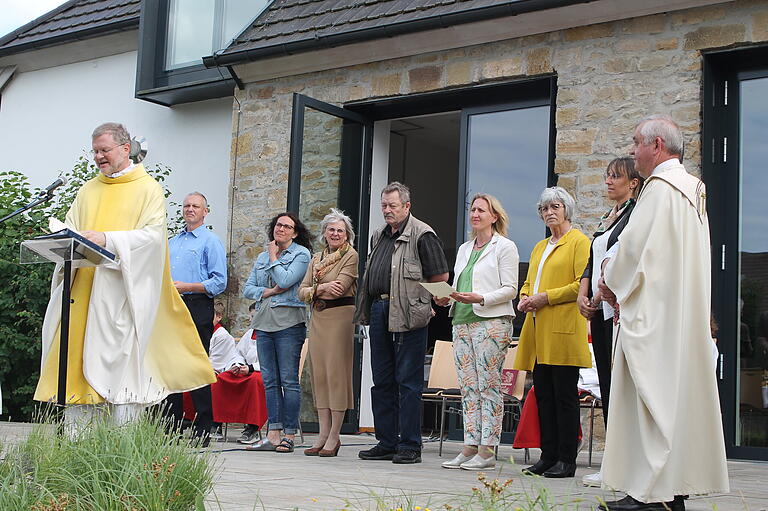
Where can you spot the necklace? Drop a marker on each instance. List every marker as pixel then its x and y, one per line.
pixel 478 246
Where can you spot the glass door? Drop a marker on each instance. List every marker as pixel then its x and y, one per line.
pixel 330 155
pixel 734 152
pixel 752 377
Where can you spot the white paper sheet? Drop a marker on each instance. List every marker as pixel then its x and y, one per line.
pixel 438 289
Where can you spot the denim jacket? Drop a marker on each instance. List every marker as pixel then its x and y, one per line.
pixel 286 272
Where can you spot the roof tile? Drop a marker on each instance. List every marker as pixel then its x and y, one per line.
pixel 71 18
pixel 288 21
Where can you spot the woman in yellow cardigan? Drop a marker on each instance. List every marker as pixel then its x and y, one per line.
pixel 553 342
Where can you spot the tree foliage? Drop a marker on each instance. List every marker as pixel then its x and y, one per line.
pixel 25 289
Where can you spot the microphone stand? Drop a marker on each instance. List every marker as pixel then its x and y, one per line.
pixel 42 198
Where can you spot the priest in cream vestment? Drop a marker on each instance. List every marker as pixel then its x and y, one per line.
pixel 665 437
pixel 127 320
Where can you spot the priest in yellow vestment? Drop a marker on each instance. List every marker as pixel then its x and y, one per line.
pixel 665 437
pixel 132 340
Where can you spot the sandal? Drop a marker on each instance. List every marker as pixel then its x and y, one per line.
pixel 285 445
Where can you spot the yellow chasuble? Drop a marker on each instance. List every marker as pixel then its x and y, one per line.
pixel 132 339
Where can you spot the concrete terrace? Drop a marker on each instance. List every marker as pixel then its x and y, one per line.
pixel 264 480
pixel 270 481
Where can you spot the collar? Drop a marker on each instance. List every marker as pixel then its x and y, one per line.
pixel 666 165
pixel 400 228
pixel 125 176
pixel 197 231
pixel 291 248
pixel 564 238
pixel 122 172
pixel 216 326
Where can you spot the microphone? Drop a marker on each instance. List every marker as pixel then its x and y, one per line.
pixel 61 181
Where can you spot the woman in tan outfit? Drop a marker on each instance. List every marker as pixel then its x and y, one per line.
pixel 329 286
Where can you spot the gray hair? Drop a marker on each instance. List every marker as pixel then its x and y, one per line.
pixel 205 201
pixel 119 134
pixel 557 194
pixel 400 188
pixel 336 215
pixel 665 128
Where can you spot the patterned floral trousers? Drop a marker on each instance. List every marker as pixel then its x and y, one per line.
pixel 479 351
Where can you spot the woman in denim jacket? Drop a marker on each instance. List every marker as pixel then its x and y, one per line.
pixel 280 324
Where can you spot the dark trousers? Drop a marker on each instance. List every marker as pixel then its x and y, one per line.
pixel 557 395
pixel 201 308
pixel 602 346
pixel 397 364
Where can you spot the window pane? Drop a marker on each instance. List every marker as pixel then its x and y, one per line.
pixel 320 167
pixel 238 14
pixel 190 32
pixel 753 281
pixel 507 157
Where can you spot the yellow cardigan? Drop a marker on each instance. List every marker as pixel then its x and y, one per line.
pixel 558 336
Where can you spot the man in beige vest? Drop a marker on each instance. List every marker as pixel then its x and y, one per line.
pixel 664 437
pixel 403 253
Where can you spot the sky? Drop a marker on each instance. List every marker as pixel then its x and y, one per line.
pixel 20 12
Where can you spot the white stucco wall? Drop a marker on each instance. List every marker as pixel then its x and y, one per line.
pixel 47 116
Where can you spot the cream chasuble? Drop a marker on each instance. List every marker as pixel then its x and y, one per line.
pixel 665 435
pixel 132 339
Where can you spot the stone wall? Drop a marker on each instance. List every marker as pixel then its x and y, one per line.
pixel 609 76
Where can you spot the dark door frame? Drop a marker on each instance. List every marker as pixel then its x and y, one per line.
pixel 355 202
pixel 720 140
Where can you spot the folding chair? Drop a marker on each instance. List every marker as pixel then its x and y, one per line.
pixel 443 383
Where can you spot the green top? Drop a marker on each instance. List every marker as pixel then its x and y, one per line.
pixel 462 312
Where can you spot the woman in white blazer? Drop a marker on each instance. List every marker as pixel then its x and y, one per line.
pixel 486 283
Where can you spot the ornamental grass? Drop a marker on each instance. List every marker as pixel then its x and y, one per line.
pixel 136 467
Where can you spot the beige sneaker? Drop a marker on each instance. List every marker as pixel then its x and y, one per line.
pixel 479 463
pixel 456 462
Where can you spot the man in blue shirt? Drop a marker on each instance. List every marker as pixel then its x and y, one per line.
pixel 199 272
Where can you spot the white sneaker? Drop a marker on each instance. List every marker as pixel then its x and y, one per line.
pixel 479 463
pixel 456 462
pixel 593 480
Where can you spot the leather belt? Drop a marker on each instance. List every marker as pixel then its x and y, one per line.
pixel 320 304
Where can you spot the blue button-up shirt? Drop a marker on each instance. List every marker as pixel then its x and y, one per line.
pixel 198 256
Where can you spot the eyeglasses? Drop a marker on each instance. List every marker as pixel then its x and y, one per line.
pixel 287 227
pixel 95 152
pixel 554 206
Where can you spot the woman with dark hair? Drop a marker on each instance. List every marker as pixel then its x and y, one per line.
pixel 279 320
pixel 623 184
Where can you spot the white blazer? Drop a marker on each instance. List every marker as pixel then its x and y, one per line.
pixel 494 276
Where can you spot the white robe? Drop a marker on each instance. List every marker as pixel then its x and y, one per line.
pixel 223 352
pixel 665 435
pixel 248 350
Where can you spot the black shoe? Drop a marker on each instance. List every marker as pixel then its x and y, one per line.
pixel 561 469
pixel 539 468
pixel 407 456
pixel 630 504
pixel 376 453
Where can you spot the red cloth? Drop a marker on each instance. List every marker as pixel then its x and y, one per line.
pixel 528 432
pixel 528 429
pixel 235 399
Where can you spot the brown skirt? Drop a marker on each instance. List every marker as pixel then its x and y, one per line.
pixel 331 353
